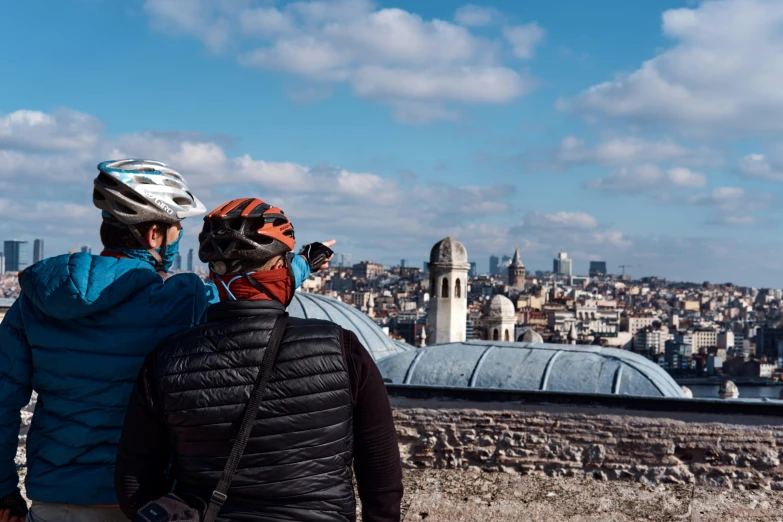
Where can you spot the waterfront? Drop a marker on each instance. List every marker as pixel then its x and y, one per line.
pixel 710 391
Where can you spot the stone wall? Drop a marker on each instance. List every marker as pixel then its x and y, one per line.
pixel 606 444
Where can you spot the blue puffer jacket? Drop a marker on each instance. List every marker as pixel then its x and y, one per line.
pixel 78 336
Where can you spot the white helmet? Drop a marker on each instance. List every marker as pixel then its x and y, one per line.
pixel 138 191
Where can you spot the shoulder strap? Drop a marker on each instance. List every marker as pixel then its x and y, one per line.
pixel 219 495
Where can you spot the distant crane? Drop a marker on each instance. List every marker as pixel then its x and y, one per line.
pixel 624 267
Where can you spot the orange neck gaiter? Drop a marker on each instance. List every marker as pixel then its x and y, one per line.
pixel 277 285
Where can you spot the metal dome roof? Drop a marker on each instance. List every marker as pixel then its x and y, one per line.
pixel 316 306
pixel 531 367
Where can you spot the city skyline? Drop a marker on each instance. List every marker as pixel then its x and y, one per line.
pixel 609 133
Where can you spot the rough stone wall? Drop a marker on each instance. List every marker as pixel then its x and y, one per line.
pixel 604 446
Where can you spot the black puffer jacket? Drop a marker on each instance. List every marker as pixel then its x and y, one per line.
pixel 191 391
pixel 297 465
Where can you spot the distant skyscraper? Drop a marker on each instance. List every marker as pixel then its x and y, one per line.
pixel 506 259
pixel 494 261
pixel 190 260
pixel 178 262
pixel 403 263
pixel 597 268
pixel 86 249
pixel 16 255
pixel 516 271
pixel 345 260
pixel 38 250
pixel 2 263
pixel 472 272
pixel 562 265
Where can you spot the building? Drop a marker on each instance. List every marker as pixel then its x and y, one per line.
pixel 367 270
pixel 177 262
pixel 472 272
pixel 38 250
pixel 2 263
pixel 530 367
pixel 703 339
pixel 632 323
pixel 651 340
pixel 494 261
pixel 190 260
pixel 86 249
pixel 597 269
pixel 501 319
pixel 516 271
pixel 16 255
pixel 769 343
pixel 345 260
pixel 448 308
pixel 562 265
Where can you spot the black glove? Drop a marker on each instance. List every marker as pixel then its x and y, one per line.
pixel 316 254
pixel 15 502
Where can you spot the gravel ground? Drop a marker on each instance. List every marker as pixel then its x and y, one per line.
pixel 458 496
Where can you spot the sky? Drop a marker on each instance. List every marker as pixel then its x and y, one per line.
pixel 647 134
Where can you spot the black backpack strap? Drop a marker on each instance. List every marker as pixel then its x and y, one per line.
pixel 219 495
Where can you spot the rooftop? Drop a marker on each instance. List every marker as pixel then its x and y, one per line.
pixel 316 306
pixel 531 367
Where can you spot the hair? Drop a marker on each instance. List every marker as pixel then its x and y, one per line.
pixel 120 237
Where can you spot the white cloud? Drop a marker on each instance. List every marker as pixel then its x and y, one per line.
pixel 387 55
pixel 208 20
pixel 761 166
pixel 476 16
pixel 565 220
pixel 721 76
pixel 626 151
pixel 649 179
pixel 61 130
pixel 524 38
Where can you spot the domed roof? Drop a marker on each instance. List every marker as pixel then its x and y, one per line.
pixel 501 307
pixel 531 367
pixel 449 251
pixel 316 306
pixel 530 336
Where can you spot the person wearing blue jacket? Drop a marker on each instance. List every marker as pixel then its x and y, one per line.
pixel 78 336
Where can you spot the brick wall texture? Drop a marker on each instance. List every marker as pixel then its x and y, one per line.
pixel 603 446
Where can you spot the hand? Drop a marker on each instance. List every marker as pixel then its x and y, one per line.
pixel 318 255
pixel 329 244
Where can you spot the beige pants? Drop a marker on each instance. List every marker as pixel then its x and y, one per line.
pixel 51 512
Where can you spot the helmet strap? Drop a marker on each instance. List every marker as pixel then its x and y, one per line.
pixel 158 257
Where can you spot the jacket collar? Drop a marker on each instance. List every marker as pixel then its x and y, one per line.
pixel 233 309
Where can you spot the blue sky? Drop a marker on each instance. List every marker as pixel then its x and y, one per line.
pixel 642 133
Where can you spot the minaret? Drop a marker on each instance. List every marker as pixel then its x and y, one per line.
pixel 423 342
pixel 516 271
pixel 371 307
pixel 448 309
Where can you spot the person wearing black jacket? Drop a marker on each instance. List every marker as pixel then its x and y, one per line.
pixel 324 414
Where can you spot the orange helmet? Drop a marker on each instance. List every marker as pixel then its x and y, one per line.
pixel 243 233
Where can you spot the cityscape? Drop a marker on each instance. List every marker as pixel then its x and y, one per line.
pixel 700 333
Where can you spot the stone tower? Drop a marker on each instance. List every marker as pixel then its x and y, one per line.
pixel 501 319
pixel 448 308
pixel 516 271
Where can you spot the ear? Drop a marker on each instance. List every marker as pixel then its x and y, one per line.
pixel 152 236
pixel 280 263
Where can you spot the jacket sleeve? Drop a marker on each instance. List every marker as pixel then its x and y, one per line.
pixel 143 452
pixel 301 270
pixel 15 391
pixel 376 452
